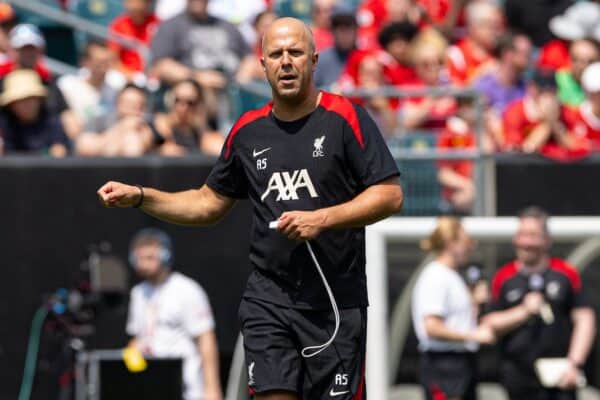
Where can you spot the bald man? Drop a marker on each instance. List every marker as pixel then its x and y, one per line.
pixel 315 166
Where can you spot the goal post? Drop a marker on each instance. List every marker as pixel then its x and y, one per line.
pixel 408 229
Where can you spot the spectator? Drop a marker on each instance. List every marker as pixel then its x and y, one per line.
pixel 321 23
pixel 197 45
pixel 504 84
pixel 332 61
pixel 427 111
pixel 8 20
pixel 582 53
pixel 29 46
pixel 184 126
pixel 26 123
pixel 381 108
pixel 532 17
pixel 583 121
pixel 456 176
pixel 540 311
pixel 396 39
pixel 473 55
pixel 126 133
pixel 92 93
pixel 578 22
pixel 140 23
pixel 251 68
pixel 532 124
pixel 170 316
pixel 444 318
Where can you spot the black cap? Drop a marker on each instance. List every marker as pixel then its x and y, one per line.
pixel 343 15
pixel 544 78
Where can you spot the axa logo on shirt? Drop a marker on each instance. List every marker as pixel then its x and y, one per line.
pixel 287 184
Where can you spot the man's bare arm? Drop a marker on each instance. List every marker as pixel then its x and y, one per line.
pixel 584 332
pixel 196 207
pixel 373 204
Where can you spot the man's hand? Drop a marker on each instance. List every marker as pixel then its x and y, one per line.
pixel 117 194
pixel 571 378
pixel 533 302
pixel 483 334
pixel 301 225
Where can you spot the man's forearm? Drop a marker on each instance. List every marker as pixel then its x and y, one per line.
pixel 505 321
pixel 171 71
pixel 375 203
pixel 196 207
pixel 582 338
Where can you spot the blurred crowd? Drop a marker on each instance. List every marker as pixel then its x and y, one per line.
pixel 534 65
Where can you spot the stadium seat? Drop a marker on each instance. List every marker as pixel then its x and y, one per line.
pixel 101 12
pixel 300 9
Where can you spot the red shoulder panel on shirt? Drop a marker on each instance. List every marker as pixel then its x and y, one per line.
pixel 245 119
pixel 503 274
pixel 568 270
pixel 343 107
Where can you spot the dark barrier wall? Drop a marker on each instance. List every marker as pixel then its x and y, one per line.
pixel 562 189
pixel 50 215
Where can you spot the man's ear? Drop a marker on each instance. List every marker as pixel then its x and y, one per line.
pixel 315 59
pixel 262 62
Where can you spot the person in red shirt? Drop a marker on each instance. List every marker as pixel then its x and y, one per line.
pixel 321 23
pixel 474 54
pixel 138 22
pixel 532 124
pixel 456 176
pixel 395 40
pixel 583 122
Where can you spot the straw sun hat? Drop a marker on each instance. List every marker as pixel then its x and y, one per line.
pixel 21 84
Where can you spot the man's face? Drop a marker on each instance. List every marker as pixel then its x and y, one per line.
pixel 344 37
pixel 531 241
pixel 137 8
pixel 398 48
pixel 99 61
pixel 289 61
pixel 28 56
pixel 148 261
pixel 521 54
pixel 26 110
pixel 198 8
pixel 488 29
pixel 582 54
pixel 131 103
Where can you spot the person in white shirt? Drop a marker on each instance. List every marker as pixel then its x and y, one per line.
pixel 170 316
pixel 444 316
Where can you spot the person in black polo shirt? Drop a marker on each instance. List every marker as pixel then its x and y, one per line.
pixel 316 170
pixel 540 310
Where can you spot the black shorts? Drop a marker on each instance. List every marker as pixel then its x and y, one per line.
pixel 274 337
pixel 448 374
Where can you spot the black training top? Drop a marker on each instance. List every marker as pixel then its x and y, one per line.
pixel 321 160
pixel 561 286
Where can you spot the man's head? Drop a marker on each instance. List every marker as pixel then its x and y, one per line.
pixel 131 101
pixel 289 59
pixel 582 53
pixel 396 37
pixel 97 59
pixel 23 95
pixel 485 22
pixel 542 85
pixel 150 253
pixel 344 28
pixel 514 50
pixel 532 239
pixel 137 9
pixel 197 8
pixel 29 43
pixel 321 13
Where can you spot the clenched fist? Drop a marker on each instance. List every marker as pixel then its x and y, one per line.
pixel 117 194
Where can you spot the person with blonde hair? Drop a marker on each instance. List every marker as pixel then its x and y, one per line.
pixel 444 316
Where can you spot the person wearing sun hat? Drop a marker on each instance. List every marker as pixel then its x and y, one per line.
pixel 26 123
